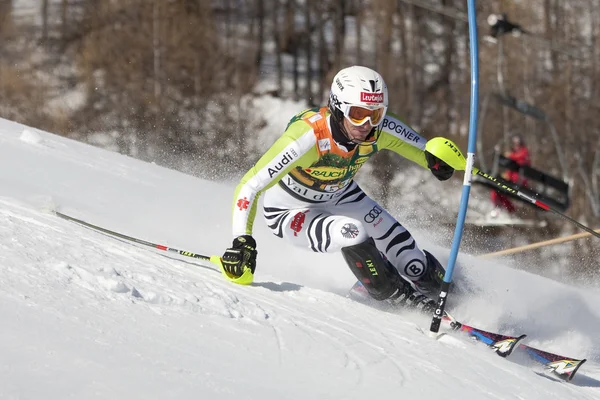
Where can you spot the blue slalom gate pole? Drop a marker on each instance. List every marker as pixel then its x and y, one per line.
pixel 464 201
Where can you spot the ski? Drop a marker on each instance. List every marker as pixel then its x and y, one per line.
pixel 562 367
pixel 559 366
pixel 503 345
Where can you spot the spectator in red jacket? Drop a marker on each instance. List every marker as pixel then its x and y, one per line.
pixel 519 154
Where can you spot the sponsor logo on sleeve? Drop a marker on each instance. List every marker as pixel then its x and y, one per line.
pixel 281 163
pixel 401 129
pixel 243 204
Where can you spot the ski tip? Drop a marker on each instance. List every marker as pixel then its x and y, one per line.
pixel 576 369
pixel 565 369
pixel 559 366
pixel 506 346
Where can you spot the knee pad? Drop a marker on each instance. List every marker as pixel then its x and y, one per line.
pixel 377 275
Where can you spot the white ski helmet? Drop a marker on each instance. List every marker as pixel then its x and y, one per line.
pixel 359 94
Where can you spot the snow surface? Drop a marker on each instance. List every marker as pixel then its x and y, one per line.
pixel 88 316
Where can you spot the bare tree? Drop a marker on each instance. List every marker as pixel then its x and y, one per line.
pixel 323 50
pixel 339 33
pixel 179 76
pixel 277 39
pixel 308 51
pixel 44 12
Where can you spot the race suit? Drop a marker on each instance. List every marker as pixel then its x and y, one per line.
pixel 311 199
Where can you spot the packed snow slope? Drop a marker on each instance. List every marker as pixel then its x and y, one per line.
pixel 87 316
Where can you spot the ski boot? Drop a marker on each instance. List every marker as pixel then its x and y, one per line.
pixel 430 283
pixel 411 299
pixel 405 296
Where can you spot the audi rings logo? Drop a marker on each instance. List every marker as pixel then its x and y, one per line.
pixel 373 214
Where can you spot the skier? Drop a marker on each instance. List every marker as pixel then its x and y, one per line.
pixel 312 200
pixel 519 154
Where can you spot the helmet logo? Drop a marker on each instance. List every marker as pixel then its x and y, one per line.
pixel 371 97
pixel 334 99
pixel 339 83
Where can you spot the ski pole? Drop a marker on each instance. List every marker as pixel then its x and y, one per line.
pixel 246 278
pixel 449 152
pixel 135 240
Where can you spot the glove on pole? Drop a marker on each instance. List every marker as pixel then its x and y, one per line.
pixel 438 167
pixel 239 261
pixel 449 152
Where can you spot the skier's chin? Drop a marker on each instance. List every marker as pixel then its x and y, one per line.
pixel 359 139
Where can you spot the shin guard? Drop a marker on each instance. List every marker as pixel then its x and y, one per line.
pixel 378 276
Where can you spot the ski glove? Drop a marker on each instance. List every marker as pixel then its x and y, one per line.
pixel 438 168
pixel 240 256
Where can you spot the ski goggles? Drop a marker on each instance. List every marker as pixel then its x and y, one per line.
pixel 359 115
